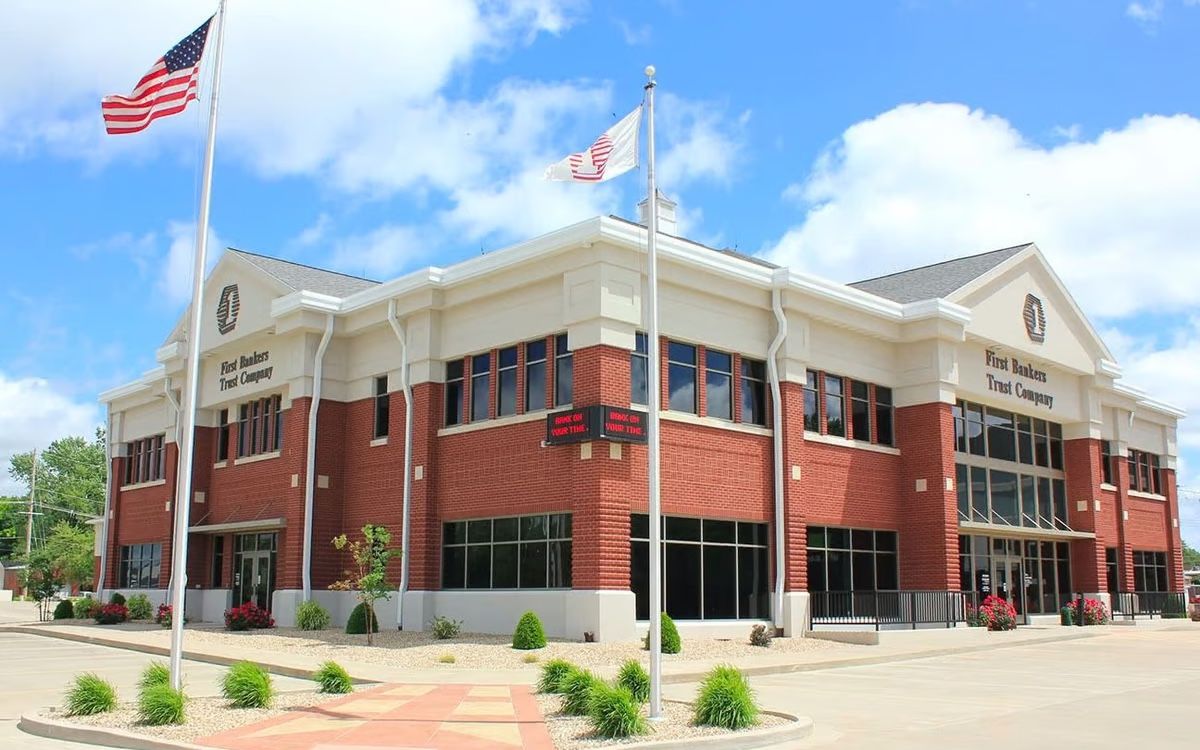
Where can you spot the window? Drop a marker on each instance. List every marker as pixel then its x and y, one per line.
pixel 884 413
pixel 754 392
pixel 835 418
pixel 140 566
pixel 563 371
pixel 852 560
pixel 454 392
pixel 860 410
pixel 712 568
pixel 506 382
pixel 147 460
pixel 1106 464
pixel 1112 569
pixel 527 552
pixel 1045 571
pixel 681 377
pixel 223 436
pixel 1001 434
pixel 718 384
pixel 1144 473
pixel 1010 499
pixel 639 359
pixel 481 371
pixel 218 560
pixel 260 423
pixel 1007 436
pixel 381 406
pixel 1150 571
pixel 812 414
pixel 535 375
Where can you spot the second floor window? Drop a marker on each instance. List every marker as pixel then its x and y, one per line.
pixel 535 375
pixel 480 374
pixel 860 410
pixel 1144 474
pixel 754 392
pixel 506 382
pixel 381 406
pixel 260 424
pixel 1106 467
pixel 147 460
pixel 564 376
pixel 454 392
pixel 718 384
pixel 835 417
pixel 884 413
pixel 812 414
pixel 639 358
pixel 681 377
pixel 223 436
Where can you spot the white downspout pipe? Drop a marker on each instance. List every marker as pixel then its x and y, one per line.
pixel 170 394
pixel 777 429
pixel 108 485
pixel 310 460
pixel 406 387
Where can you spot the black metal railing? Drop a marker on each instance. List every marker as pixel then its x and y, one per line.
pixel 891 609
pixel 1130 605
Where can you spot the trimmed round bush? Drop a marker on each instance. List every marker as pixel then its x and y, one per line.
pixel 311 616
pixel 577 688
pixel 553 673
pixel 332 677
pixel 161 704
pixel 89 694
pixel 357 623
pixel 65 610
pixel 671 644
pixel 116 598
pixel 725 700
pixel 155 673
pixel 247 685
pixel 614 712
pixel 529 633
pixel 633 678
pixel 139 607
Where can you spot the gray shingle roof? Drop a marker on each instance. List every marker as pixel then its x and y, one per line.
pixel 936 281
pixel 299 276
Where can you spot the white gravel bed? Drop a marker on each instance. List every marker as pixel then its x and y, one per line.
pixel 202 716
pixel 572 732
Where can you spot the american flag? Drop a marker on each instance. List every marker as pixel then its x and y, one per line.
pixel 165 90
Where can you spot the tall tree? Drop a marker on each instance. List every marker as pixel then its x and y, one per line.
pixel 1191 557
pixel 71 477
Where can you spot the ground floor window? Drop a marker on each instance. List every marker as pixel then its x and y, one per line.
pixel 254 568
pixel 140 566
pixel 712 569
pixel 1150 571
pixel 852 560
pixel 1035 576
pixel 1112 570
pixel 525 552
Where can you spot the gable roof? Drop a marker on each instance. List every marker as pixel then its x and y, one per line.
pixel 936 281
pixel 298 276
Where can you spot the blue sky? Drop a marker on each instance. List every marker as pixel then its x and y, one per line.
pixel 850 139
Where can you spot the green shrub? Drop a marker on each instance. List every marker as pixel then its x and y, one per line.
pixel 553 674
pixel 357 623
pixel 614 712
pixel 139 607
pixel 529 633
pixel 65 610
pixel 633 678
pixel 86 608
pixel 155 673
pixel 333 678
pixel 725 700
pixel 669 635
pixel 311 616
pixel 161 704
pixel 90 695
pixel 116 598
pixel 444 628
pixel 760 636
pixel 576 690
pixel 247 685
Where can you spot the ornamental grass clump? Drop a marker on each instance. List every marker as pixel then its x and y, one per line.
pixel 86 608
pixel 89 694
pixel 614 713
pixel 161 704
pixel 444 628
pixel 725 700
pixel 554 672
pixel 310 615
pixel 155 673
pixel 139 607
pixel 247 685
pixel 633 678
pixel 529 633
pixel 332 677
pixel 577 687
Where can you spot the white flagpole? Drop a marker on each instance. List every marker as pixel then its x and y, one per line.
pixel 652 398
pixel 183 496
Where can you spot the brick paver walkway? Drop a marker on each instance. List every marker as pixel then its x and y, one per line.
pixel 403 716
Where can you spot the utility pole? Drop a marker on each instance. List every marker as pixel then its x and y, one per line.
pixel 29 515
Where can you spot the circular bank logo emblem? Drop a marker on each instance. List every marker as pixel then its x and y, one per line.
pixel 1035 319
pixel 227 309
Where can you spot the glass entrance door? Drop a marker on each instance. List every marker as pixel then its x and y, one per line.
pixel 1008 583
pixel 254 569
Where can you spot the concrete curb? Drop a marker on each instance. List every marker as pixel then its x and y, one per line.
pixel 42 726
pixel 797 728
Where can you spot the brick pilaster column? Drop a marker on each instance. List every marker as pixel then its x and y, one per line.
pixel 425 537
pixel 1083 477
pixel 1125 549
pixel 1174 540
pixel 929 531
pixel 795 519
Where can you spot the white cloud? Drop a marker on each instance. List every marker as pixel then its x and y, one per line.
pixel 699 142
pixel 1147 12
pixel 32 415
pixel 926 182
pixel 315 233
pixel 175 279
pixel 634 36
pixel 379 253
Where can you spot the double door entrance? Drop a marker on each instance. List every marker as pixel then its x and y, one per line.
pixel 1008 582
pixel 254 569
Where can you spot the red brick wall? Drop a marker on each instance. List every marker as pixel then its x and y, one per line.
pixel 929 525
pixel 1081 463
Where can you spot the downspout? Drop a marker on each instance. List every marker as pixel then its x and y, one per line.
pixel 406 387
pixel 108 485
pixel 170 394
pixel 777 428
pixel 310 460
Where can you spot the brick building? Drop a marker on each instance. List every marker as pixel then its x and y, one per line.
pixel 959 426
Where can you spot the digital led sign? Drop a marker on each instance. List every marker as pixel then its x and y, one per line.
pixel 612 423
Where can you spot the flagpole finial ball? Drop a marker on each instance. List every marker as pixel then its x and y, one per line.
pixel 650 71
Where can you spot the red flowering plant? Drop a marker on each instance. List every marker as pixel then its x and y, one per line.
pixel 1094 612
pixel 249 616
pixel 163 615
pixel 996 614
pixel 111 614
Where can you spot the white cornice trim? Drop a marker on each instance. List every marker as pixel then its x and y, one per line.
pixel 1153 404
pixel 149 379
pixel 168 352
pixel 305 300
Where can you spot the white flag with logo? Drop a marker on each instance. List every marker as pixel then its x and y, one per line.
pixel 614 153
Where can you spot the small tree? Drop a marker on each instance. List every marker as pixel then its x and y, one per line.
pixel 369 578
pixel 42 581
